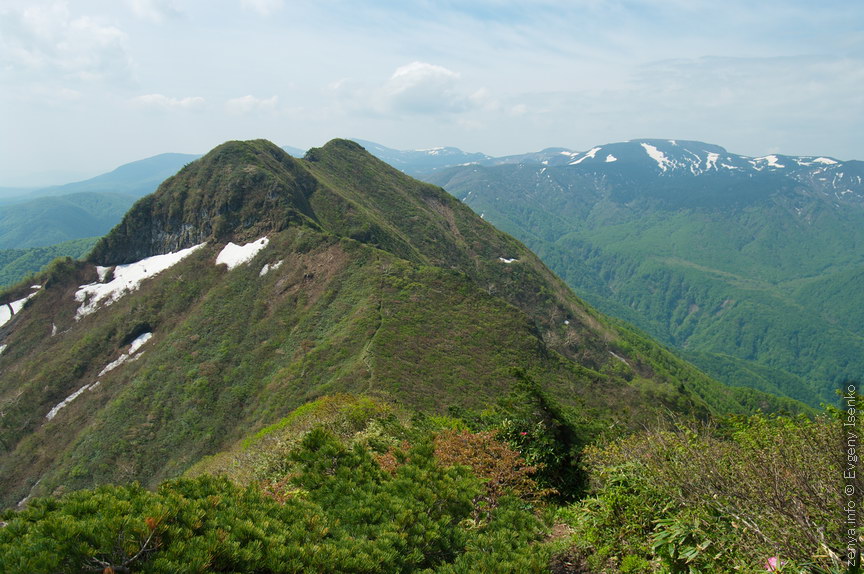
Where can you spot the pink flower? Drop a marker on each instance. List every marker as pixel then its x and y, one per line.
pixel 774 564
pixel 523 433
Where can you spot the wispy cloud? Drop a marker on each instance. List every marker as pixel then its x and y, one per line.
pixel 263 7
pixel 46 41
pixel 156 11
pixel 162 102
pixel 423 88
pixel 413 90
pixel 250 104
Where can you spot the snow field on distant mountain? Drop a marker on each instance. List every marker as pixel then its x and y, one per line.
pixel 769 160
pixel 127 278
pixel 711 162
pixel 820 160
pixel 657 156
pixel 233 255
pixel 588 155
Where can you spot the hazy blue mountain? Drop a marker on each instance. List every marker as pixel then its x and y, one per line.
pixel 418 162
pixel 294 151
pixel 14 194
pixel 16 264
pixel 81 209
pixel 137 178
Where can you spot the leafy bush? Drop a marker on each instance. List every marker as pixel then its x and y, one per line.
pixel 721 498
pixel 548 435
pixel 502 469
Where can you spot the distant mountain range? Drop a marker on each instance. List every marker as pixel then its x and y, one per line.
pixel 749 265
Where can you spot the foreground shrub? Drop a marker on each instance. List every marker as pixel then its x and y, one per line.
pixel 336 511
pixel 720 499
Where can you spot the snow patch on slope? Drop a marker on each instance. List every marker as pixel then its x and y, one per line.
pixel 128 355
pixel 7 311
pixel 770 161
pixel 133 348
pixel 657 156
pixel 53 412
pixel 268 267
pixel 127 278
pixel 233 255
pixel 711 161
pixel 588 155
pixel 807 162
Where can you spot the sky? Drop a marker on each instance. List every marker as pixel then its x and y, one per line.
pixel 88 85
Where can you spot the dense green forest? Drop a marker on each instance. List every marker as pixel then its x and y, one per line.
pixel 47 221
pixel 751 275
pixel 16 264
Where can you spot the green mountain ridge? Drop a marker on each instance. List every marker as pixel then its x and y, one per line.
pixel 367 282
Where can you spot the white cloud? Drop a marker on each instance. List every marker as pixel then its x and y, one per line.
pixel 46 41
pixel 156 11
pixel 249 104
pixel 423 88
pixel 68 94
pixel 262 7
pixel 420 88
pixel 162 102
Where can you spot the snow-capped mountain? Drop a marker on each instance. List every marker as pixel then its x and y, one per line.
pixel 692 158
pixel 674 157
pixel 659 163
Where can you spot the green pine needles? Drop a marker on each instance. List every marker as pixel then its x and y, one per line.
pixel 336 509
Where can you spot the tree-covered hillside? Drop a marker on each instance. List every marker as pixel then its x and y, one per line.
pixel 51 220
pixel 16 264
pixel 747 266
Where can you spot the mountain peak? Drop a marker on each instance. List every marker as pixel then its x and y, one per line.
pixel 241 189
pixel 337 145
